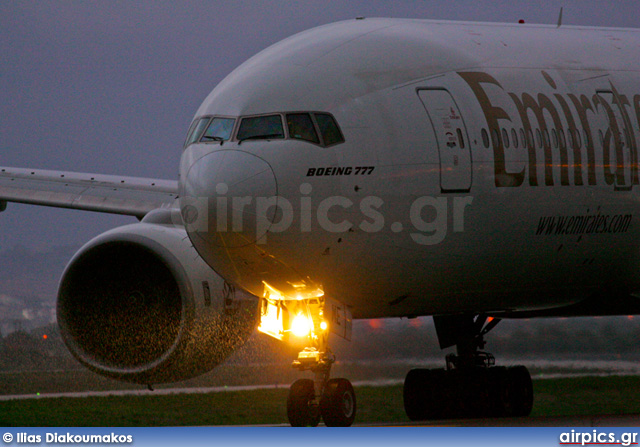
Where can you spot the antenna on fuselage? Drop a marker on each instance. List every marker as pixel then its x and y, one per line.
pixel 560 18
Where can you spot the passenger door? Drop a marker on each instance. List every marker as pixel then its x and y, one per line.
pixel 451 135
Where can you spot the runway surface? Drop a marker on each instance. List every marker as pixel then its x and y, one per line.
pixel 613 420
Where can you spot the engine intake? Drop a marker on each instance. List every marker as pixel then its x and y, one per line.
pixel 138 304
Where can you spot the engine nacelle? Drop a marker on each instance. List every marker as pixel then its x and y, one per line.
pixel 140 305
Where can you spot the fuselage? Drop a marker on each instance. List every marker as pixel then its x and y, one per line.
pixel 476 167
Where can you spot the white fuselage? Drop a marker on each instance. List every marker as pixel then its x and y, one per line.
pixel 484 168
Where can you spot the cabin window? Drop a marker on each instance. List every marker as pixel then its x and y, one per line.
pixel 485 138
pixel 538 138
pixel 514 138
pixel 577 138
pixel 460 138
pixel 572 141
pixel 561 139
pixel 328 129
pixel 261 128
pixel 301 127
pixel 523 139
pixel 495 137
pixel 219 130
pixel 530 138
pixel 545 136
pixel 197 130
pixel 554 137
pixel 505 138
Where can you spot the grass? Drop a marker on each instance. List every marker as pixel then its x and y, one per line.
pixel 554 397
pixel 587 396
pixel 228 408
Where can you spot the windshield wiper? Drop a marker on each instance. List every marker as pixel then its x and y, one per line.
pixel 214 138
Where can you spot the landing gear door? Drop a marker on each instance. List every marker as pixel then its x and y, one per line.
pixel 453 142
pixel 339 318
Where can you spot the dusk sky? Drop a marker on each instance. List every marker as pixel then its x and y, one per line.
pixel 111 86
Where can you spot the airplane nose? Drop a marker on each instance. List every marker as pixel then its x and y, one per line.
pixel 226 198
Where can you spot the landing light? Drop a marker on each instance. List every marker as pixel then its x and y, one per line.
pixel 301 325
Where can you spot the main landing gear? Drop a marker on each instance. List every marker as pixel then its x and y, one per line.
pixel 470 386
pixel 332 399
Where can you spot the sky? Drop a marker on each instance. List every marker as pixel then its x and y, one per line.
pixel 111 87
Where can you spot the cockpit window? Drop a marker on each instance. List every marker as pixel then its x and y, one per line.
pixel 301 127
pixel 314 127
pixel 219 130
pixel 197 130
pixel 191 128
pixel 261 127
pixel 328 129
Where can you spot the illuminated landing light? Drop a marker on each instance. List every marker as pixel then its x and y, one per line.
pixel 301 326
pixel 324 326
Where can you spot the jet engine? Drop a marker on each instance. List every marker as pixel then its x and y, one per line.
pixel 139 304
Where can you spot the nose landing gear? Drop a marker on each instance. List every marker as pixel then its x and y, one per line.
pixel 470 386
pixel 312 318
pixel 332 399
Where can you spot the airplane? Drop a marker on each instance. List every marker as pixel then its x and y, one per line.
pixel 370 168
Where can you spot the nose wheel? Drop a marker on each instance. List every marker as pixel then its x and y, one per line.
pixel 337 406
pixel 302 410
pixel 338 403
pixel 333 400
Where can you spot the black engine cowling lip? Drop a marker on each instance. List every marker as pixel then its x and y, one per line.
pixel 157 368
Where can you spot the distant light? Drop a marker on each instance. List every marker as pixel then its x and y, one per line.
pixel 301 326
pixel 324 325
pixel 44 336
pixel 375 324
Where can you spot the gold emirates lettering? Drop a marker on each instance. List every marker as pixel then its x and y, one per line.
pixel 537 105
